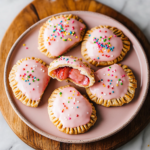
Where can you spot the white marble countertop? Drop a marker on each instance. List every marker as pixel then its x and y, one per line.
pixel 136 10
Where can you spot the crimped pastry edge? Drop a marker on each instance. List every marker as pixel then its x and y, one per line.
pixel 90 76
pixel 118 101
pixel 43 49
pixel 57 122
pixel 118 33
pixel 13 83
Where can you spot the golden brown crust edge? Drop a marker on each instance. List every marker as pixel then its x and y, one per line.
pixel 90 76
pixel 57 122
pixel 43 49
pixel 118 33
pixel 13 84
pixel 118 101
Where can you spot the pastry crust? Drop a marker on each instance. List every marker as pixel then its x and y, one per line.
pixel 13 83
pixel 58 123
pixel 118 101
pixel 118 33
pixel 81 69
pixel 43 49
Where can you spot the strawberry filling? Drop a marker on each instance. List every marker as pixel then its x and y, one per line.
pixel 74 74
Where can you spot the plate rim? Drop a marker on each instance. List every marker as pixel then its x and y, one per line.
pixel 6 83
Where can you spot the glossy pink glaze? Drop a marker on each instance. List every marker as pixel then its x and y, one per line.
pixel 58 47
pixel 35 90
pixel 71 61
pixel 94 51
pixel 107 85
pixel 72 109
pixel 109 120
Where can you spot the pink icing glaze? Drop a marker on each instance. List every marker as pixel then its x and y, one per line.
pixel 58 47
pixel 104 86
pixel 70 60
pixel 35 90
pixel 72 112
pixel 95 51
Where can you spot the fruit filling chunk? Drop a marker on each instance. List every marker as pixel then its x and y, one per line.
pixel 74 74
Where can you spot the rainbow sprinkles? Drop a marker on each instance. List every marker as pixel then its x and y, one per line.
pixel 114 86
pixel 28 79
pixel 70 111
pixel 59 34
pixel 104 45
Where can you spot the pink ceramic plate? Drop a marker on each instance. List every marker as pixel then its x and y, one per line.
pixel 110 120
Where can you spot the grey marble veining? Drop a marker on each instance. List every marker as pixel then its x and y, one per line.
pixel 136 10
